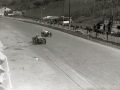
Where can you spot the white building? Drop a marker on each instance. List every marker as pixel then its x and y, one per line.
pixel 3 9
pixel 17 13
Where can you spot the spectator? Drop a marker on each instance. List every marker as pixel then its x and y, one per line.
pixel 94 27
pixel 104 27
pixel 109 28
pixel 98 25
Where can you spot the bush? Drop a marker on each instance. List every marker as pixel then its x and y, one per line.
pixel 37 3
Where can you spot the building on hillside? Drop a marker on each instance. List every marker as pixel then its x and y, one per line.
pixel 3 10
pixel 50 17
pixel 64 20
pixel 24 11
pixel 18 13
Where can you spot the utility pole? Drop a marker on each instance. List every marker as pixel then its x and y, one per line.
pixel 69 14
pixel 63 13
pixel 94 8
pixel 112 11
pixel 1 9
pixel 112 15
pixel 63 8
pixel 41 14
pixel 103 10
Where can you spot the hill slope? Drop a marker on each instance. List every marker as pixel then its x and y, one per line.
pixel 81 10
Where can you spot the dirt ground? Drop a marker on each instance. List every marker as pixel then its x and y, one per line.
pixel 19 57
pixel 28 70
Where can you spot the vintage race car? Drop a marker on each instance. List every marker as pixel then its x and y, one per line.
pixel 39 40
pixel 46 33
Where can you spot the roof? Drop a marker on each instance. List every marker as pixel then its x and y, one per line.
pixel 5 8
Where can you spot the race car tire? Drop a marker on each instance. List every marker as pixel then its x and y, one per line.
pixel 44 41
pixel 50 34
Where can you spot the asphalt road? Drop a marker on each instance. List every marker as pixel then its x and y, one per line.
pixel 76 58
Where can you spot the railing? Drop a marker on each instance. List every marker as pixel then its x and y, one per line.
pixel 74 31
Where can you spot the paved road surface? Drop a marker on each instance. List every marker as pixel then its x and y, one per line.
pixel 75 63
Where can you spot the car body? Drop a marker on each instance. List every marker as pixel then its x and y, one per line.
pixel 39 40
pixel 116 34
pixel 46 33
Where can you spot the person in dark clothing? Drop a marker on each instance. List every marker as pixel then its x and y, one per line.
pixel 109 28
pixel 104 27
pixel 94 27
pixel 98 25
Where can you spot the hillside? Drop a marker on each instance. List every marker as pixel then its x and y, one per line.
pixel 81 10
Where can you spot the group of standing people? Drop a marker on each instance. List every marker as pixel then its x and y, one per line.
pixel 106 28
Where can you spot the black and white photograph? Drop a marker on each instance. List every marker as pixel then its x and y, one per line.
pixel 59 44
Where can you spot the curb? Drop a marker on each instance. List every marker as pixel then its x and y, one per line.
pixel 1 46
pixel 5 80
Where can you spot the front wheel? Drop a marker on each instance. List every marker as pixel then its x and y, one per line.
pixel 34 40
pixel 50 34
pixel 41 34
pixel 44 41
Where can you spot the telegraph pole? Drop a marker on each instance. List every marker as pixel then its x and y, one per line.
pixel 103 10
pixel 63 13
pixel 94 8
pixel 41 13
pixel 63 9
pixel 69 14
pixel 112 11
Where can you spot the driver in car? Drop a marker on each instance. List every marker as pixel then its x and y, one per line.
pixel 45 31
pixel 36 36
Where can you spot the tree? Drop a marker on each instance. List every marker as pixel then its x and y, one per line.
pixel 37 3
pixel 47 1
pixel 12 2
pixel 25 7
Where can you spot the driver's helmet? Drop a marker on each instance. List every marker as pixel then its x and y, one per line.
pixel 36 35
pixel 45 31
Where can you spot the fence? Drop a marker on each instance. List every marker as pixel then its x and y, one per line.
pixel 73 30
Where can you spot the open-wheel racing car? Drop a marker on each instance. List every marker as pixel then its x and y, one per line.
pixel 38 40
pixel 46 33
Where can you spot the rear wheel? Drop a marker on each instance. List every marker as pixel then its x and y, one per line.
pixel 41 34
pixel 32 39
pixel 44 41
pixel 38 41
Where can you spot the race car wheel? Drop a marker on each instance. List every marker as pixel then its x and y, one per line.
pixel 38 41
pixel 41 34
pixel 50 34
pixel 44 41
pixel 33 39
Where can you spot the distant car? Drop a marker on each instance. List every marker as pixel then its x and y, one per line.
pixel 46 33
pixel 117 34
pixel 39 40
